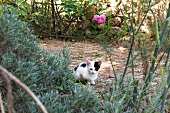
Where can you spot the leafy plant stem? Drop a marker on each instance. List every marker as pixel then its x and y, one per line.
pixel 110 58
pixel 159 61
pixel 164 95
pixel 165 25
pixel 135 93
pixel 132 42
pixel 131 30
pixel 132 66
pixel 151 70
pixel 150 74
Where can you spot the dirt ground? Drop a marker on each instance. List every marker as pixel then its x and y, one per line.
pixel 80 51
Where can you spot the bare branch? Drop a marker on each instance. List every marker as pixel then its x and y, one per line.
pixel 1 105
pixel 9 91
pixel 17 81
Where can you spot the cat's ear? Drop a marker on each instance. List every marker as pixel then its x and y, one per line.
pixel 87 62
pixel 99 63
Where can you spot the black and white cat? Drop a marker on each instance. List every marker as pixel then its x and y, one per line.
pixel 87 71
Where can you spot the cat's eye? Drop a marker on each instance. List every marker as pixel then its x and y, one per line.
pixel 91 69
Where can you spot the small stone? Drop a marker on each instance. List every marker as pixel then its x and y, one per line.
pixel 114 30
pixel 145 29
pixel 117 21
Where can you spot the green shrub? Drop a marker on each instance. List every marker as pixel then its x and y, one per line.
pixel 37 68
pixel 81 99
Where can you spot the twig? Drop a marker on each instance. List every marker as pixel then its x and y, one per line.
pixel 1 104
pixel 9 91
pixel 17 81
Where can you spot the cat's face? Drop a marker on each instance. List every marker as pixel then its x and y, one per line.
pixel 92 66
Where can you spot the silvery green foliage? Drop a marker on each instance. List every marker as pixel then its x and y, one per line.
pixel 117 97
pixel 39 69
pixel 126 98
pixel 24 58
pixel 80 100
pixel 84 100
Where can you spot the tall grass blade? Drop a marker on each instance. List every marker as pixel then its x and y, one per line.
pixel 165 25
pixel 164 95
pixel 133 38
pixel 156 48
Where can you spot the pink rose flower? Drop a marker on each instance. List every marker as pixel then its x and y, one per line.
pixel 99 19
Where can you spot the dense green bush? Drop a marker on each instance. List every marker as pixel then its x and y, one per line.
pixel 54 18
pixel 23 57
pixel 38 69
